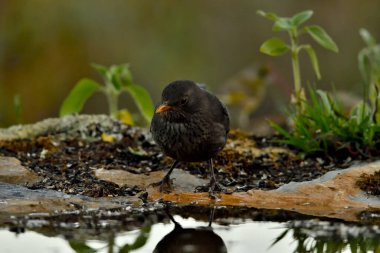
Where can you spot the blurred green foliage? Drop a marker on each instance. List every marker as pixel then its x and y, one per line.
pixel 45 47
pixel 117 79
pixel 369 66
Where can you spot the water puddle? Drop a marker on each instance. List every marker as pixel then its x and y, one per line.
pixel 185 229
pixel 233 238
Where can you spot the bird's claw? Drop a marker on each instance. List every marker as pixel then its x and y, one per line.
pixel 212 188
pixel 165 185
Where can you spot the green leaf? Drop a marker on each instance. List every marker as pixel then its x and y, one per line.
pixel 78 96
pixel 301 17
pixel 138 243
pixel 326 102
pixel 100 68
pixel 364 65
pixel 353 245
pixel 274 47
pixel 141 239
pixel 367 37
pixel 280 237
pixel 283 24
pixel 314 60
pixel 142 100
pixel 114 77
pixel 268 15
pixel 280 129
pixel 80 247
pixel 319 245
pixel 321 37
pixel 120 76
pixel 126 75
pixel 106 73
pixel 360 112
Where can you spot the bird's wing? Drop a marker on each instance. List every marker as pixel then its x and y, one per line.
pixel 226 121
pixel 218 111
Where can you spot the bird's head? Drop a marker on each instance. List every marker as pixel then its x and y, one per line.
pixel 180 97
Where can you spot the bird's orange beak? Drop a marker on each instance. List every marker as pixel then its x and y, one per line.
pixel 163 108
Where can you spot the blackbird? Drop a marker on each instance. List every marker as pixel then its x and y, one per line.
pixel 190 125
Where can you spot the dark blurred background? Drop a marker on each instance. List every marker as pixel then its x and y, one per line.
pixel 47 46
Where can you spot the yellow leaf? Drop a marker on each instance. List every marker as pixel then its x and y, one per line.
pixel 108 138
pixel 125 116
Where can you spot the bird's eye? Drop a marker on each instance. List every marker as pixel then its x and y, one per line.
pixel 183 100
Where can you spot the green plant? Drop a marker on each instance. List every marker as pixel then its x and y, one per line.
pixel 117 79
pixel 324 127
pixel 293 26
pixel 319 123
pixel 369 66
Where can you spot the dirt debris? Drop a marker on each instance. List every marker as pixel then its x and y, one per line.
pixel 68 164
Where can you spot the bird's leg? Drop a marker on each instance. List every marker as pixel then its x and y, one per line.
pixel 212 178
pixel 213 181
pixel 211 217
pixel 165 184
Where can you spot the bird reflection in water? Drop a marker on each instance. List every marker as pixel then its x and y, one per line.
pixel 189 240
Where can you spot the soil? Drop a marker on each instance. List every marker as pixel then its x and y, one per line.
pixel 247 162
pixel 370 183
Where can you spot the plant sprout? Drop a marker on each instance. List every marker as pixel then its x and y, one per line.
pixel 117 79
pixel 276 46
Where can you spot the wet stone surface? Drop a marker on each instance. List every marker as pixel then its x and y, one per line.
pixel 13 172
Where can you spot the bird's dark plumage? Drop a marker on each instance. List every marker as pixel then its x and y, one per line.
pixel 190 124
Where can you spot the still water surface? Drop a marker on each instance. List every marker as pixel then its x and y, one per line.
pixel 237 238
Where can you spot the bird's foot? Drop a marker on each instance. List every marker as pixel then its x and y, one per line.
pixel 218 187
pixel 165 185
pixel 213 188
